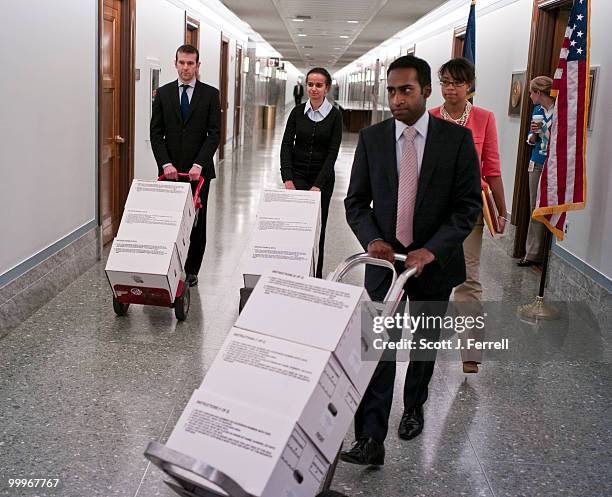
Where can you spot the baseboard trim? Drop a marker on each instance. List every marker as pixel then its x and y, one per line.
pixel 583 267
pixel 39 283
pixel 51 250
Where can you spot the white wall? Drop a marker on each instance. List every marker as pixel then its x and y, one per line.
pixel 48 125
pixel 502 47
pixel 589 234
pixel 160 30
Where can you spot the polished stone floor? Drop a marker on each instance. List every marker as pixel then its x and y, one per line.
pixel 82 391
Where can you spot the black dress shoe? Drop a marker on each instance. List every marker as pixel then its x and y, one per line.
pixel 411 424
pixel 192 279
pixel 365 451
pixel 525 263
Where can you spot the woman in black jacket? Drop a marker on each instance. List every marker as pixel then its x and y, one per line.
pixel 310 146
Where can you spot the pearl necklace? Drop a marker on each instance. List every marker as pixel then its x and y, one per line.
pixel 464 117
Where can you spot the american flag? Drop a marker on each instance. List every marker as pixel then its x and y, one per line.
pixel 563 181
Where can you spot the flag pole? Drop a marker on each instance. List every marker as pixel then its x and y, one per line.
pixel 538 309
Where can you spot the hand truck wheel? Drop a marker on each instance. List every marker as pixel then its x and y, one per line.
pixel 119 307
pixel 181 304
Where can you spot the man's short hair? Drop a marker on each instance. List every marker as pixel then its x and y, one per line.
pixel 411 62
pixel 187 49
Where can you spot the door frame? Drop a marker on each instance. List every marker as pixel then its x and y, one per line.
pixel 538 62
pixel 127 98
pixel 223 90
pixel 192 24
pixel 238 95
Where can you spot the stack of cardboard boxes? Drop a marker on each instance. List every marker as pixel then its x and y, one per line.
pixel 149 252
pixel 280 396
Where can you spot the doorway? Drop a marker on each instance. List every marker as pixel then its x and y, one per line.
pixel 223 94
pixel 238 97
pixel 548 25
pixel 192 31
pixel 116 115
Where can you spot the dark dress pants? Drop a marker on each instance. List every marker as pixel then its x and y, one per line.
pixel 372 416
pixel 198 234
pixel 304 182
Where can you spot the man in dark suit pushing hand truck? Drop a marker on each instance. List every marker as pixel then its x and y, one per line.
pixel 414 190
pixel 185 136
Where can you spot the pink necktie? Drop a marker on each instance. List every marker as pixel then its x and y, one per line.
pixel 407 188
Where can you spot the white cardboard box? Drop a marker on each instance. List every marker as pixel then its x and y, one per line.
pixel 266 453
pixel 304 383
pixel 262 258
pixel 295 204
pixel 142 264
pixel 148 224
pixel 286 234
pixel 317 313
pixel 173 196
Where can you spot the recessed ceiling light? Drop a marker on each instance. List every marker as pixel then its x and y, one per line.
pixel 302 34
pixel 337 48
pixel 341 36
pixel 353 22
pixel 297 20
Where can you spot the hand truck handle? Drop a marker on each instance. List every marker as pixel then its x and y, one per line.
pixel 169 461
pixel 196 195
pixel 396 290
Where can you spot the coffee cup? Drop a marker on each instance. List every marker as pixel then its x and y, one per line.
pixel 538 120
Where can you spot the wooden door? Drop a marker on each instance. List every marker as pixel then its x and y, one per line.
pixel 548 23
pixel 110 119
pixel 238 96
pixel 223 95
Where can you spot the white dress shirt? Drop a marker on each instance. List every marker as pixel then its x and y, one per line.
pixel 189 90
pixel 319 114
pixel 419 140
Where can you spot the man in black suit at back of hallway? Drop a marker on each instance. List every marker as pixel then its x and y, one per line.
pixel 184 138
pixel 414 190
pixel 298 92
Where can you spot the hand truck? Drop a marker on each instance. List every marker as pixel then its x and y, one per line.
pixel 187 472
pixel 153 296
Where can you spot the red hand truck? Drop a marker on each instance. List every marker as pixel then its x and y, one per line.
pixel 124 295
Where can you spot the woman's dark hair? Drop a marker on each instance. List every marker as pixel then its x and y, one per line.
pixel 460 69
pixel 323 72
pixel 411 62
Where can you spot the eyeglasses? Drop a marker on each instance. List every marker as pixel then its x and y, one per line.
pixel 455 84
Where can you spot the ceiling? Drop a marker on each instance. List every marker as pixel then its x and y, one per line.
pixel 330 39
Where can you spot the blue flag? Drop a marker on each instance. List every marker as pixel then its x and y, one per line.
pixel 469 42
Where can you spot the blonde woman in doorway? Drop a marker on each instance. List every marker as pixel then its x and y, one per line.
pixel 457 76
pixel 539 133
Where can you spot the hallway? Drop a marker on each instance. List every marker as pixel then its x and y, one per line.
pixel 82 391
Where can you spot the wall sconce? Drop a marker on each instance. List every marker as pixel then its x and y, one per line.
pixel 246 61
pixel 383 72
pixel 257 67
pixel 334 82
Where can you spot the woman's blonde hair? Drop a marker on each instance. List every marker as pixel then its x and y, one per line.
pixel 543 84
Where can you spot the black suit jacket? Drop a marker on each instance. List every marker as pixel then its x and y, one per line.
pixel 298 91
pixel 194 141
pixel 447 204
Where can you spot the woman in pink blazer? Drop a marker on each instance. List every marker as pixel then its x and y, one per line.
pixel 457 76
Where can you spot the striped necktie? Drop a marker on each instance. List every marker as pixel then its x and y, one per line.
pixel 407 188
